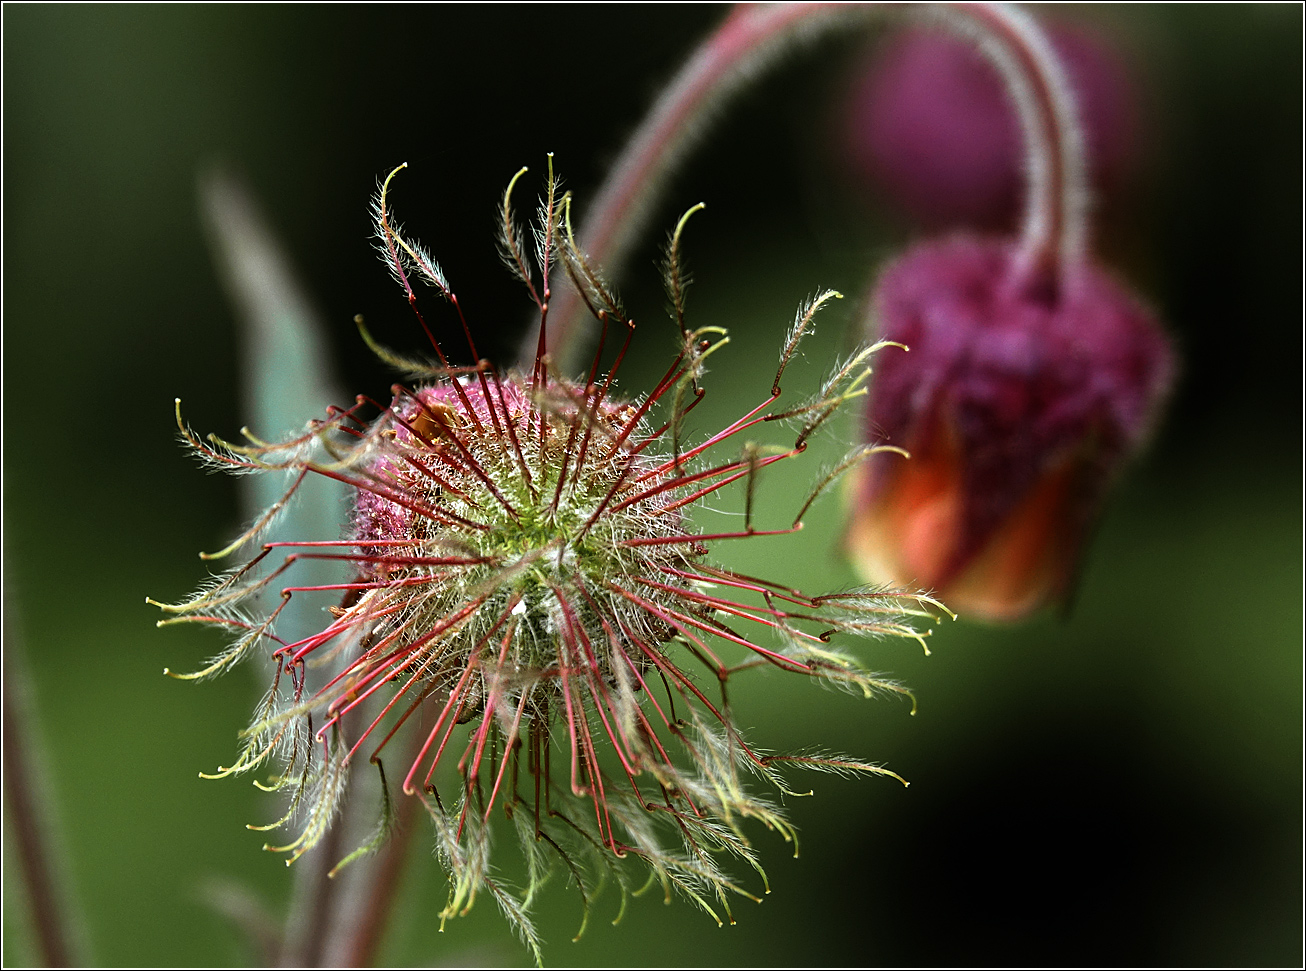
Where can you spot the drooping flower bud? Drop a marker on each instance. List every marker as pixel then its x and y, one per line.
pixel 1018 406
pixel 929 124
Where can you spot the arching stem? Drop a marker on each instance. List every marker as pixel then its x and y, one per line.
pixel 1055 227
pixel 753 39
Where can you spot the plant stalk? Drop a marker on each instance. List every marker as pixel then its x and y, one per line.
pixel 753 39
pixel 23 800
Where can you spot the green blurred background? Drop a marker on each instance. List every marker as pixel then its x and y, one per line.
pixel 1122 785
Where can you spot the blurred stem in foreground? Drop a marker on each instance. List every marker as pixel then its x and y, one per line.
pixel 29 814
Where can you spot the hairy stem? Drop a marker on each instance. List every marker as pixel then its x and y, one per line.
pixel 317 899
pixel 387 872
pixel 374 895
pixel 1055 226
pixel 754 38
pixel 313 901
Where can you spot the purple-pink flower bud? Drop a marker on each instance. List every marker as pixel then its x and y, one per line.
pixel 1018 406
pixel 930 124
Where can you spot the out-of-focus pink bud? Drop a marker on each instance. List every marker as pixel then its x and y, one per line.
pixel 1018 407
pixel 929 124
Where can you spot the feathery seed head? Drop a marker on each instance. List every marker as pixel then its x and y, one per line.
pixel 530 598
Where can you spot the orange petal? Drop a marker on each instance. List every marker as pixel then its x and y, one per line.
pixel 1028 561
pixel 905 527
pixel 906 533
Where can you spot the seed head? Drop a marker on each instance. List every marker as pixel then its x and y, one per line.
pixel 533 608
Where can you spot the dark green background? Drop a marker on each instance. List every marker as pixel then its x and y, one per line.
pixel 1120 786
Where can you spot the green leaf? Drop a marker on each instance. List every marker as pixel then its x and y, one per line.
pixel 286 379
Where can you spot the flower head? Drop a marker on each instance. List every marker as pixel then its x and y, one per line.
pixel 1018 406
pixel 929 123
pixel 532 607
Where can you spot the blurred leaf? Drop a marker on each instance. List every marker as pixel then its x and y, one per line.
pixel 287 377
